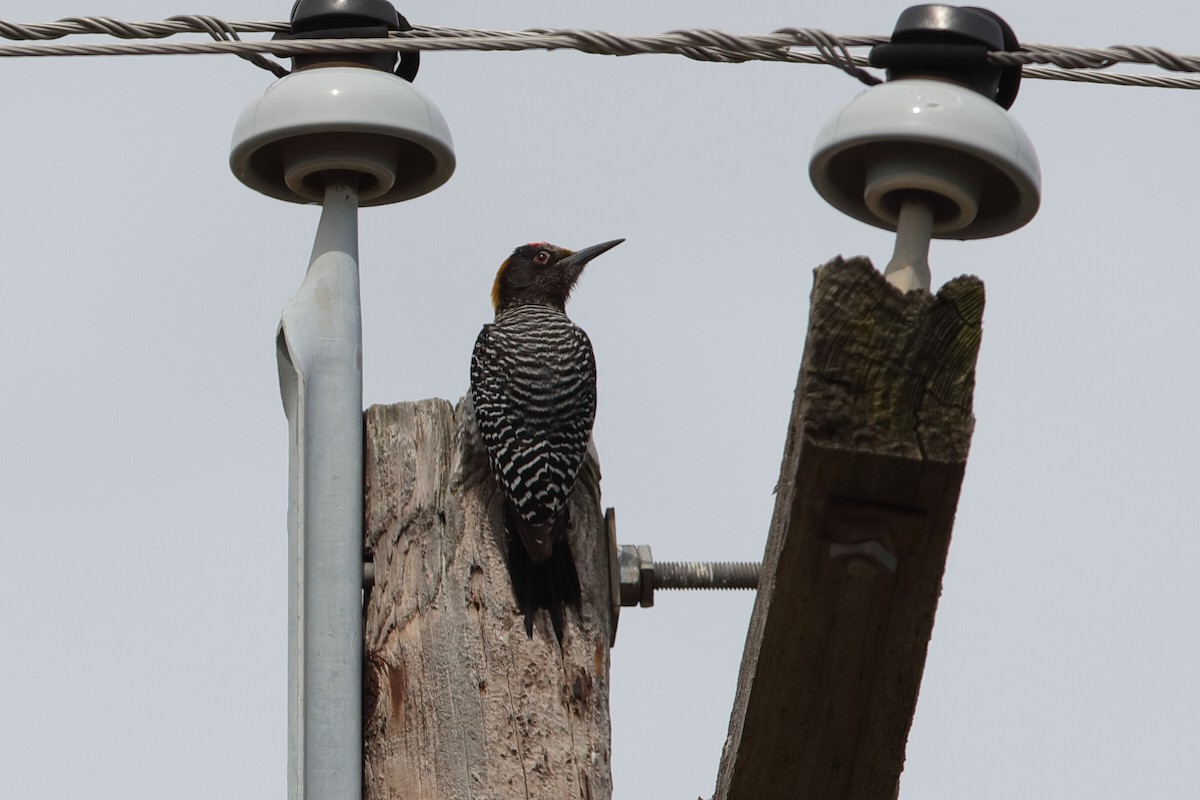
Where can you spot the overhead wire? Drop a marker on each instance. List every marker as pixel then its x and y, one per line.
pixel 1045 62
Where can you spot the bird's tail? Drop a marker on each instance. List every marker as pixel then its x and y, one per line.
pixel 552 584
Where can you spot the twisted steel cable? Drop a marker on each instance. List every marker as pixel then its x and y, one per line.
pixel 1080 64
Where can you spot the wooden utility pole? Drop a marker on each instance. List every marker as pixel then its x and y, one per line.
pixel 874 460
pixel 459 702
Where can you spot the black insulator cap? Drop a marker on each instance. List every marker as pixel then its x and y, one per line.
pixel 951 43
pixel 311 15
pixel 352 19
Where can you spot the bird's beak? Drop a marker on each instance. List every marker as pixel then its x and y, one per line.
pixel 581 257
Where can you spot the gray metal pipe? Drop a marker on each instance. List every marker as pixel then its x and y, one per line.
pixel 319 351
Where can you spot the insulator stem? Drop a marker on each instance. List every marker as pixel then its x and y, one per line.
pixel 909 267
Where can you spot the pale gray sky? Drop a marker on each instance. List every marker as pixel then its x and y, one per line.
pixel 142 440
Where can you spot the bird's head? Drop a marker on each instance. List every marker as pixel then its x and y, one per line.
pixel 542 273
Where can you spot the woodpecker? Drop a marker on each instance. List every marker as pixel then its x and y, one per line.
pixel 533 388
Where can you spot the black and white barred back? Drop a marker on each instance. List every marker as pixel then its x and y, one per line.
pixel 533 384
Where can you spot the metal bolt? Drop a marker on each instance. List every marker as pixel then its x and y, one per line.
pixel 640 576
pixel 706 575
pixel 633 575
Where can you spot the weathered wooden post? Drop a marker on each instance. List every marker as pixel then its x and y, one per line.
pixel 460 702
pixel 875 455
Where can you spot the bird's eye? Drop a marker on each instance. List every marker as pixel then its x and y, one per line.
pixel 542 257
